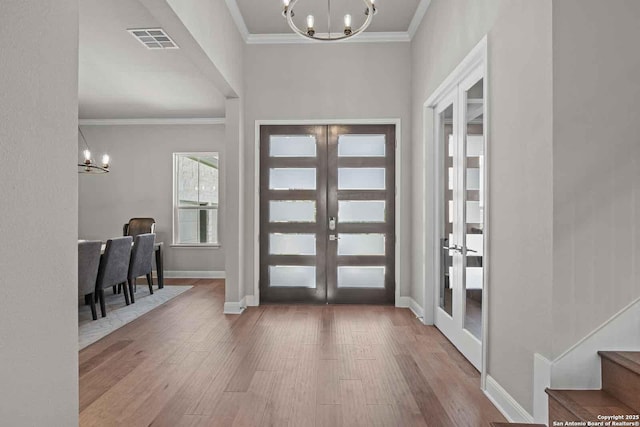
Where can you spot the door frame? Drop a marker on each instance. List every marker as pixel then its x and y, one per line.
pixel 399 302
pixel 432 180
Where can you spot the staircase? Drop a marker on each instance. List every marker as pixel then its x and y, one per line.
pixel 620 394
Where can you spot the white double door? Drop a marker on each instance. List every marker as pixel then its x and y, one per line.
pixel 460 128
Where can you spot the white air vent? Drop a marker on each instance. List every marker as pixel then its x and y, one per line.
pixel 153 38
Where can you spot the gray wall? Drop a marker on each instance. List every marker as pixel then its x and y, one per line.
pixel 140 184
pixel 38 213
pixel 320 82
pixel 596 152
pixel 520 162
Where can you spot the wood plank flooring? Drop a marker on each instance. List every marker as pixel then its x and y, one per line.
pixel 187 364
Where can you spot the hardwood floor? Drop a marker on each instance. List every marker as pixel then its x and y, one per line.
pixel 187 364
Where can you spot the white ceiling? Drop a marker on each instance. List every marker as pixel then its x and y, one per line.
pixel 121 78
pixel 265 16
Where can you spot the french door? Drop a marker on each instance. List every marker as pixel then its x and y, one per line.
pixel 459 119
pixel 327 214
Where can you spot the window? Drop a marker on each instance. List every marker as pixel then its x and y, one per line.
pixel 195 199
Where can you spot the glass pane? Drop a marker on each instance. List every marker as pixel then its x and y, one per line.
pixel 361 244
pixel 361 145
pixel 361 210
pixel 292 244
pixel 361 277
pixel 473 193
pixel 197 226
pixel 446 256
pixel 361 179
pixel 292 146
pixel 197 179
pixel 292 179
pixel 292 276
pixel 292 211
pixel 187 181
pixel 208 181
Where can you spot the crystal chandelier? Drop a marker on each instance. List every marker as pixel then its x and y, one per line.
pixel 310 31
pixel 89 165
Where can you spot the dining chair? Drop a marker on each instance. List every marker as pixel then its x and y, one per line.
pixel 137 226
pixel 114 266
pixel 141 261
pixel 88 263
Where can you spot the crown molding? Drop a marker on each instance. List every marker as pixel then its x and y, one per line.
pixel 234 10
pixel 168 121
pixel 421 10
pixel 366 37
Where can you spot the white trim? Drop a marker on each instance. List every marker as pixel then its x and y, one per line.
pixel 411 304
pixel 193 274
pixel 507 405
pixel 167 121
pixel 234 10
pixel 421 11
pixel 194 246
pixel 251 301
pixel 366 37
pixel 256 200
pixel 234 307
pixel 541 381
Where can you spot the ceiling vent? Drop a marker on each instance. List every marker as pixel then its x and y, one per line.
pixel 153 38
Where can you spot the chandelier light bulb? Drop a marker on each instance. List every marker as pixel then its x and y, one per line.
pixel 105 160
pixel 286 3
pixel 347 20
pixel 310 21
pixel 87 155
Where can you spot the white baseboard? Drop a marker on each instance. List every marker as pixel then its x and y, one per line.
pixel 235 307
pixel 541 380
pixel 252 301
pixel 507 405
pixel 410 303
pixel 192 274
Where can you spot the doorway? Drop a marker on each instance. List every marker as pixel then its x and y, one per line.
pixel 327 214
pixel 459 119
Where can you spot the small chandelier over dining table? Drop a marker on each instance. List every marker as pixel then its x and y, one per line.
pixel 89 165
pixel 310 31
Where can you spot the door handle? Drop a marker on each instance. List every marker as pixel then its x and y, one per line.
pixel 471 250
pixel 332 223
pixel 454 248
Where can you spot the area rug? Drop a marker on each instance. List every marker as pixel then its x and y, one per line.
pixel 118 313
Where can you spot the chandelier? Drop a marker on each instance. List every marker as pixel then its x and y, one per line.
pixel 89 165
pixel 310 31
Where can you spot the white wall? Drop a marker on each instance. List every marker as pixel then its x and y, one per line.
pixel 520 162
pixel 596 163
pixel 140 184
pixel 316 81
pixel 38 213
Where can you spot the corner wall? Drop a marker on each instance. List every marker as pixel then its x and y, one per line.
pixel 140 184
pixel 38 213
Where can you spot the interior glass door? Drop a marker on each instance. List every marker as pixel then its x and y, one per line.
pixel 327 214
pixel 460 137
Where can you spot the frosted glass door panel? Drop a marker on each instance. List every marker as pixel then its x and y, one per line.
pixel 361 211
pixel 474 213
pixel 473 179
pixel 474 278
pixel 475 145
pixel 292 244
pixel 292 179
pixel 292 146
pixel 361 277
pixel 361 179
pixel 475 242
pixel 361 146
pixel 361 244
pixel 292 276
pixel 292 211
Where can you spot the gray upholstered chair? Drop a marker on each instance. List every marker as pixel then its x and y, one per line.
pixel 137 226
pixel 141 261
pixel 88 263
pixel 114 266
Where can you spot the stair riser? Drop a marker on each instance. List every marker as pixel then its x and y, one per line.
pixel 621 383
pixel 557 412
